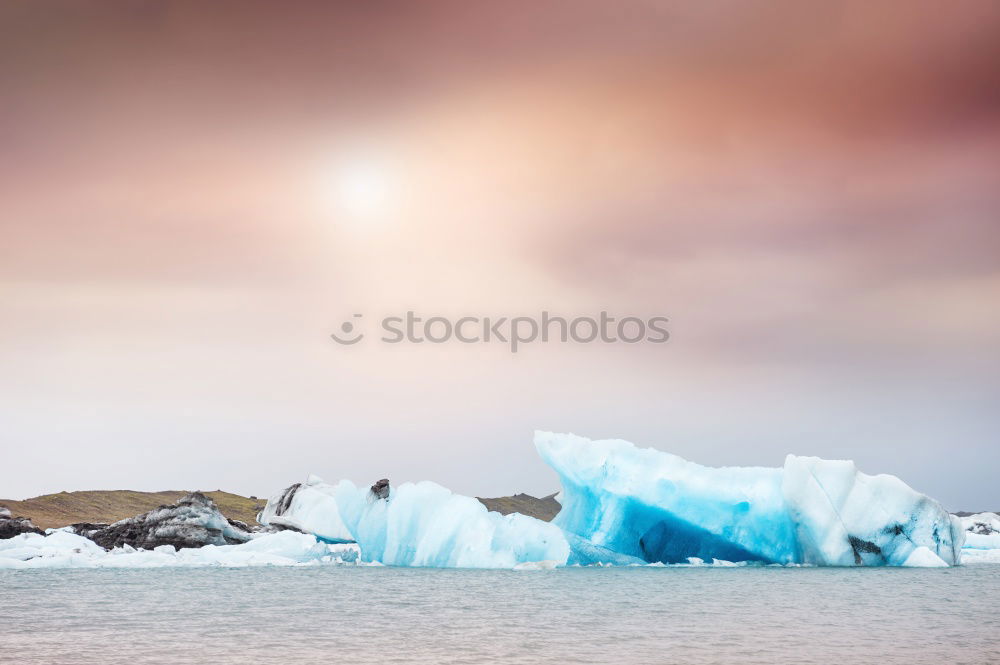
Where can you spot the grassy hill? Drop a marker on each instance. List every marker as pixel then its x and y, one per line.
pixel 56 510
pixel 545 508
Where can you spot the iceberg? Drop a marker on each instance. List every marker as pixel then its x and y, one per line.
pixel 64 549
pixel 982 531
pixel 310 507
pixel 425 524
pixel 844 517
pixel 193 521
pixel 982 538
pixel 973 556
pixel 659 507
pixel 620 506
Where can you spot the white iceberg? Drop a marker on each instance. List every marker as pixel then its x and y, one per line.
pixel 982 531
pixel 972 556
pixel 63 549
pixel 310 507
pixel 424 524
pixel 844 517
pixel 659 507
pixel 923 558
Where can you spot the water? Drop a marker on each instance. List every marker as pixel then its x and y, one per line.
pixel 689 616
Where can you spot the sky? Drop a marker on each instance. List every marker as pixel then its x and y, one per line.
pixel 196 195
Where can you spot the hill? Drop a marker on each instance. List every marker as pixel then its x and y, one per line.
pixel 56 510
pixel 545 508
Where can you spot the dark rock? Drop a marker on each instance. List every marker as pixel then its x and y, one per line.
pixel 275 528
pixel 286 499
pixel 194 521
pixel 380 490
pixel 238 524
pixel 85 529
pixel 14 526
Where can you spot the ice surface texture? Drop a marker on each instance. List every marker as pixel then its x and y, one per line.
pixel 193 521
pixel 982 531
pixel 424 524
pixel 659 507
pixel 310 507
pixel 63 549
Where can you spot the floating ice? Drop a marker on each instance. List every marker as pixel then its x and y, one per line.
pixel 537 565
pixel 659 507
pixel 585 553
pixel 982 531
pixel 193 521
pixel 63 549
pixel 845 517
pixel 972 556
pixel 923 558
pixel 309 507
pixel 424 524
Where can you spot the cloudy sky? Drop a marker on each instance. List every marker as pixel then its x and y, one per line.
pixel 195 195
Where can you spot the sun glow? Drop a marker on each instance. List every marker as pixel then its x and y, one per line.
pixel 360 190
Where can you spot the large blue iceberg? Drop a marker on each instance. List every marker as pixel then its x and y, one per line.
pixel 660 507
pixel 624 505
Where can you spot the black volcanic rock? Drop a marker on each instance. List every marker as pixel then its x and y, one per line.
pixel 194 521
pixel 15 526
pixel 380 490
pixel 86 529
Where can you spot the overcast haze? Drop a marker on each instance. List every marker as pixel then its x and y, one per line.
pixel 809 191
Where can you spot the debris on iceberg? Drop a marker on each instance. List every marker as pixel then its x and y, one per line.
pixel 424 524
pixel 659 507
pixel 309 507
pixel 193 521
pixel 13 526
pixel 982 531
pixel 64 549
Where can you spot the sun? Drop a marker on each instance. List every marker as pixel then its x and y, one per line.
pixel 361 189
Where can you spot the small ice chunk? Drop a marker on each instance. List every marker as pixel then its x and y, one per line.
pixel 922 557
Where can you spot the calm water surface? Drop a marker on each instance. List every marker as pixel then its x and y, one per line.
pixel 689 616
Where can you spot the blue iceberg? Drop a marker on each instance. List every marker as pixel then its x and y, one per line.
pixel 661 508
pixel 623 505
